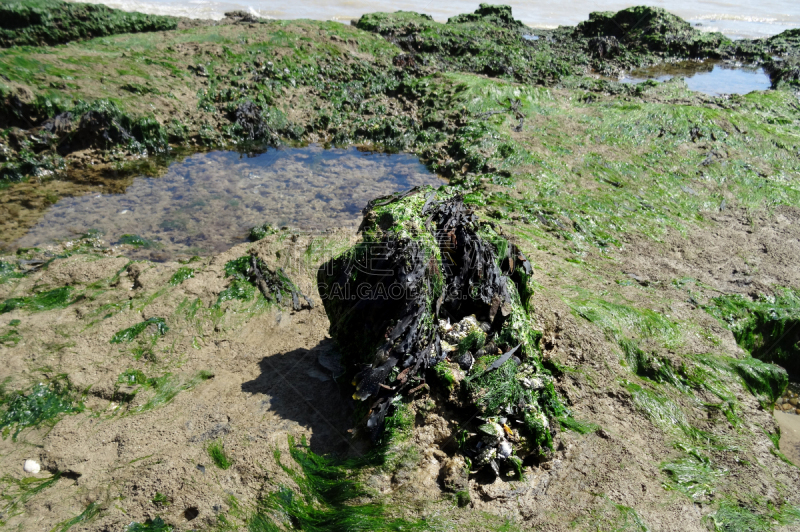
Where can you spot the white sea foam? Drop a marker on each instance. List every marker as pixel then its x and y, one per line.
pixel 742 18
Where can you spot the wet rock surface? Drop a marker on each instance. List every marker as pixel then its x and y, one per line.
pixel 423 257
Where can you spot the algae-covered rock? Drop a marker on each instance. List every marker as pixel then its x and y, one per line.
pixel 652 29
pixel 784 43
pixel 489 41
pixel 50 22
pixel 494 14
pixel 426 255
pixel 784 71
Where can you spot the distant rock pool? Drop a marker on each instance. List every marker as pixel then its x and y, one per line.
pixel 712 78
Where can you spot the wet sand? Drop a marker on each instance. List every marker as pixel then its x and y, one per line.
pixel 790 435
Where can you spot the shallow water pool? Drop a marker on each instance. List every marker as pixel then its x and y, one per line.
pixel 208 202
pixel 712 78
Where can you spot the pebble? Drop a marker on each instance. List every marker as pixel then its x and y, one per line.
pixel 31 466
pixel 789 402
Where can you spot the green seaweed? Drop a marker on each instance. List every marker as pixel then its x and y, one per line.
pixel 395 449
pixel 10 338
pixel 131 377
pixel 463 498
pixel 165 388
pixel 159 326
pixel 52 299
pixel 759 378
pixel 444 374
pixel 766 327
pixel 497 390
pixel 612 517
pixel 732 516
pixel 160 499
pixel 240 288
pixel 762 379
pixel 625 324
pixel 472 342
pixel 261 231
pixel 91 511
pixel 151 525
pixel 43 404
pixel 181 275
pixel 9 271
pixel 628 520
pixel 694 476
pixel 581 427
pixel 243 285
pixel 17 492
pixel 216 451
pixel 661 410
pixel 643 29
pixel 329 499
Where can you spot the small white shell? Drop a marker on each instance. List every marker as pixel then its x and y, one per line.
pixel 31 466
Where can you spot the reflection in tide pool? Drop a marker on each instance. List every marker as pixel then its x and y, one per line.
pixel 714 79
pixel 208 202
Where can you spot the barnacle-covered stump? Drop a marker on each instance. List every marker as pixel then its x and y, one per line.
pixel 431 289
